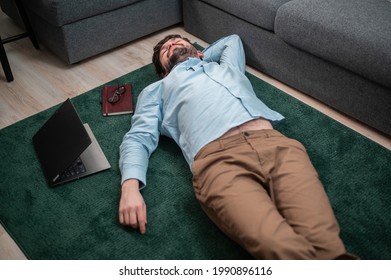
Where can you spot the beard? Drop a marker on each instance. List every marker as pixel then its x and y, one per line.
pixel 181 54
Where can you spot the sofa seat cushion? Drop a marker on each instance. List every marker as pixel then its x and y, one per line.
pixel 354 34
pixel 61 12
pixel 258 12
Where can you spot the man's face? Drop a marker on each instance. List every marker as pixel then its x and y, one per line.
pixel 174 51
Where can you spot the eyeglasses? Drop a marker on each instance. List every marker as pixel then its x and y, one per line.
pixel 114 96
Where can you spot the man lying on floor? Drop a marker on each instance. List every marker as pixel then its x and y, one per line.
pixel 258 186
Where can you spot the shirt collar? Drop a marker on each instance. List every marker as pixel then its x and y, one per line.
pixel 192 63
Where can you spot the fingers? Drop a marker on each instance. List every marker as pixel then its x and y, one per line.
pixel 142 223
pixel 134 216
pixel 138 219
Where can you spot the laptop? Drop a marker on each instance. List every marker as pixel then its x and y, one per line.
pixel 66 148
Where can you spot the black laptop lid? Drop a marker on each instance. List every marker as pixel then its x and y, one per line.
pixel 60 140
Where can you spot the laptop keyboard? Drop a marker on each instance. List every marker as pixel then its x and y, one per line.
pixel 76 168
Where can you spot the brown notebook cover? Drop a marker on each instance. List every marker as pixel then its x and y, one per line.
pixel 124 105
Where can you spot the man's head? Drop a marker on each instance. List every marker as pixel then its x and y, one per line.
pixel 170 51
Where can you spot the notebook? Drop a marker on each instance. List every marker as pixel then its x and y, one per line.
pixel 117 99
pixel 66 148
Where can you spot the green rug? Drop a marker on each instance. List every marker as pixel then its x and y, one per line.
pixel 79 220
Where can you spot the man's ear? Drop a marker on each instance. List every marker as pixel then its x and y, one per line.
pixel 200 54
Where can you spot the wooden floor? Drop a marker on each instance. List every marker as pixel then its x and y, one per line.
pixel 42 80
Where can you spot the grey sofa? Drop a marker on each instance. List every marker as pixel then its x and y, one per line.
pixel 337 51
pixel 75 30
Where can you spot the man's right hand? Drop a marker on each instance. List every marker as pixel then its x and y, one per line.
pixel 132 208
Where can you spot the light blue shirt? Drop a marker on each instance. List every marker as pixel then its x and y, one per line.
pixel 195 104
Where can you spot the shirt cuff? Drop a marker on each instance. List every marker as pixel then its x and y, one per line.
pixel 134 174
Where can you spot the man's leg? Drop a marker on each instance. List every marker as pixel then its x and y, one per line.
pixel 298 193
pixel 238 179
pixel 229 185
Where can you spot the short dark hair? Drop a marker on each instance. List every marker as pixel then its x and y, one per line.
pixel 156 53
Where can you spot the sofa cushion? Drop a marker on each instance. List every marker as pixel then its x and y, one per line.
pixel 354 34
pixel 61 12
pixel 258 12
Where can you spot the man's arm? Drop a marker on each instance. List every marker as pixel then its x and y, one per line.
pixel 135 150
pixel 228 50
pixel 143 137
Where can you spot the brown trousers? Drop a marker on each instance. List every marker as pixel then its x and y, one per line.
pixel 261 189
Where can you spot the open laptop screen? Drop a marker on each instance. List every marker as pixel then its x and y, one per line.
pixel 60 140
